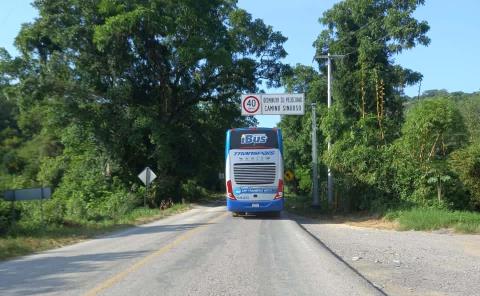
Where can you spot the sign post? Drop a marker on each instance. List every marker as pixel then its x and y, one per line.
pixel 314 156
pixel 146 176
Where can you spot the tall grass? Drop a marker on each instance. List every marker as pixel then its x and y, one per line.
pixel 433 219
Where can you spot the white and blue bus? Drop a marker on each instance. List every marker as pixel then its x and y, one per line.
pixel 254 170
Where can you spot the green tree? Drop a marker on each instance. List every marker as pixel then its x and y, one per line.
pixel 433 129
pixel 297 129
pixel 470 108
pixel 367 92
pixel 156 82
pixel 370 33
pixel 466 163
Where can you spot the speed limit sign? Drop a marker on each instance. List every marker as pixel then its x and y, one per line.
pixel 251 105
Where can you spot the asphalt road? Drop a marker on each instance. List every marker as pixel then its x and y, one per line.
pixel 204 251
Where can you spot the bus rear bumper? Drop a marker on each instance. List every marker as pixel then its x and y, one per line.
pixel 255 206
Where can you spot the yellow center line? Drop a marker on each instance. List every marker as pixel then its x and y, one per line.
pixel 121 275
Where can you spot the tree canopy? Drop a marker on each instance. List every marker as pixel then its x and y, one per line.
pixel 104 88
pixel 368 87
pixel 369 33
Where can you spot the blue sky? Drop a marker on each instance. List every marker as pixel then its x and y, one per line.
pixel 450 62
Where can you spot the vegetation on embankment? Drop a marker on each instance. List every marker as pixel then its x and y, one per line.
pixel 407 219
pixel 99 92
pixel 29 236
pixel 388 150
pixel 434 219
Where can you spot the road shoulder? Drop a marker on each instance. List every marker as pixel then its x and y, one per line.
pixel 404 262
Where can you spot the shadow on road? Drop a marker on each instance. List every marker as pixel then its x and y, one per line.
pixel 140 230
pixel 50 274
pixel 211 203
pixel 264 216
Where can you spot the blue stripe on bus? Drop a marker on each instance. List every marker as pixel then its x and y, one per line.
pixel 227 146
pixel 261 205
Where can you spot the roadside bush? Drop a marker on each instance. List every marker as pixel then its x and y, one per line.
pixel 466 163
pixel 303 175
pixel 191 191
pixel 433 129
pixel 87 193
pixel 51 170
pixel 54 211
pixel 162 188
pixel 118 204
pixel 4 216
pixel 362 164
pixel 12 162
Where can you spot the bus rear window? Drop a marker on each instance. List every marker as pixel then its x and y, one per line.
pixel 253 139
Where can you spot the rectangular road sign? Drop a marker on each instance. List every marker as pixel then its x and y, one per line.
pixel 27 194
pixel 283 104
pixel 273 104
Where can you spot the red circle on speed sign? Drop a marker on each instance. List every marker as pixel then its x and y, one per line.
pixel 251 104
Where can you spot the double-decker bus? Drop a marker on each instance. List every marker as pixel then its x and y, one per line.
pixel 254 170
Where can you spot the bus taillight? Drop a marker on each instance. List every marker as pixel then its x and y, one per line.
pixel 279 190
pixel 230 190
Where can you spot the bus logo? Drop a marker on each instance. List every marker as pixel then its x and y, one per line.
pixel 253 139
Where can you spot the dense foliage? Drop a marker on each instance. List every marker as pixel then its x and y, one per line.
pixel 297 129
pixel 388 150
pixel 104 88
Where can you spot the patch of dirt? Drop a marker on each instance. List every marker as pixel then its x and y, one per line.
pixel 366 221
pixel 375 223
pixel 471 249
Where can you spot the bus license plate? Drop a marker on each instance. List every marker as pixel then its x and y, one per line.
pixel 255 205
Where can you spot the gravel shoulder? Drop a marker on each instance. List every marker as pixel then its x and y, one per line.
pixel 405 262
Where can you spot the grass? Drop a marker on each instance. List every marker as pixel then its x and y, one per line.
pixel 27 239
pixel 433 219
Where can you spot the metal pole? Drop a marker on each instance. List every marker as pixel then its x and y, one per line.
pixel 41 206
pixel 314 156
pixel 329 58
pixel 13 208
pixel 329 146
pixel 147 181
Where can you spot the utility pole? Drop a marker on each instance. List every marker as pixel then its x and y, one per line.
pixel 316 202
pixel 329 58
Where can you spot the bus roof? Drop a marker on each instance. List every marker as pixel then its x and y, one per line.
pixel 253 128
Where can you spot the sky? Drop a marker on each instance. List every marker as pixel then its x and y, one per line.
pixel 450 62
